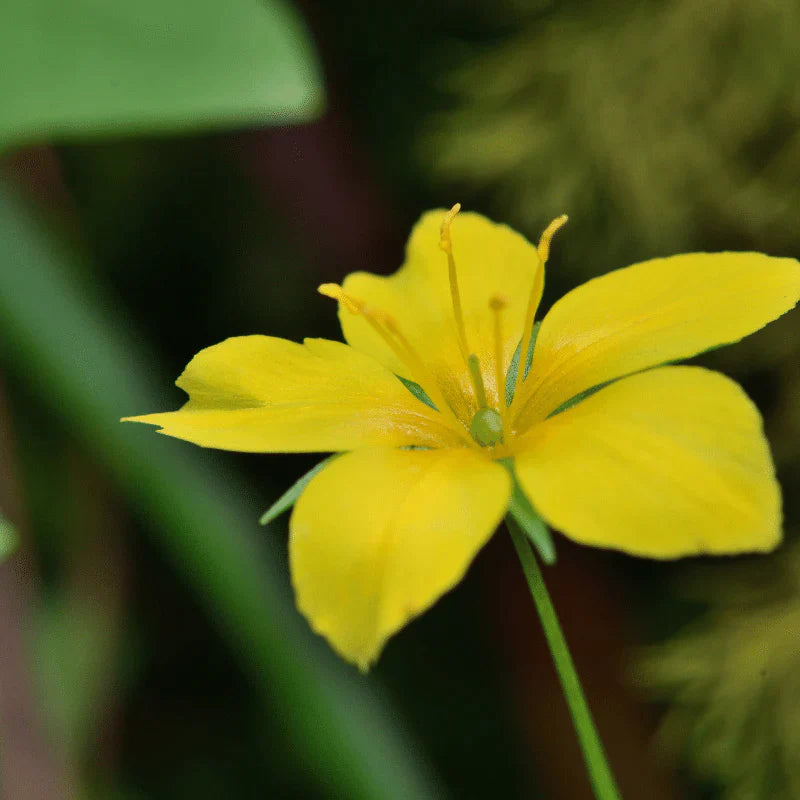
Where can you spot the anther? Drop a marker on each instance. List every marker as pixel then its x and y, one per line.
pixel 358 307
pixel 549 232
pixel 445 242
pixel 335 292
pixel 381 323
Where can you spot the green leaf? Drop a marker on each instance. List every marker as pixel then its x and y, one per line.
pixel 534 527
pixel 289 497
pixel 417 391
pixel 513 367
pixel 73 68
pixel 77 353
pixel 8 538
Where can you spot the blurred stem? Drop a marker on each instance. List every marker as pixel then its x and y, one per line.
pixel 600 774
pixel 30 765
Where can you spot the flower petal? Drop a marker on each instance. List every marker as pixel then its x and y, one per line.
pixel 648 314
pixel 379 535
pixel 491 259
pixel 666 463
pixel 262 394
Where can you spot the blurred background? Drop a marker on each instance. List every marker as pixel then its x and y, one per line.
pixel 176 172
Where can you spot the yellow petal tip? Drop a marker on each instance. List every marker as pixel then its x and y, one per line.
pixel 142 419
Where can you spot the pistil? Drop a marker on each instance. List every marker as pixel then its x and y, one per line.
pixel 477 379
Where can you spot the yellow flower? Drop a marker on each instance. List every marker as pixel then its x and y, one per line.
pixel 664 461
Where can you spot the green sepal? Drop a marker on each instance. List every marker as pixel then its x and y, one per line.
pixel 513 367
pixel 573 401
pixel 523 515
pixel 417 391
pixel 289 497
pixel 511 377
pixel 8 538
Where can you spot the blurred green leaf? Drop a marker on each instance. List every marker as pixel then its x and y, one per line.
pixel 72 653
pixel 8 538
pixel 732 678
pixel 621 115
pixel 81 357
pixel 81 67
pixel 289 497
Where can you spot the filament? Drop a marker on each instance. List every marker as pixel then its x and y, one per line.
pixel 446 244
pixel 497 304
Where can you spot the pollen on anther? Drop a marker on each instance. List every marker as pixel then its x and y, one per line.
pixel 543 249
pixel 445 242
pixel 335 292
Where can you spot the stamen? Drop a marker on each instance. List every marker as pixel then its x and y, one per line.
pixel 387 328
pixel 380 322
pixel 446 244
pixel 471 360
pixel 543 251
pixel 497 304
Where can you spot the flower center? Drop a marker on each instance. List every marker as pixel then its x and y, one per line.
pixel 488 423
pixel 486 427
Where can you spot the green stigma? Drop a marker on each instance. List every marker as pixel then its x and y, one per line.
pixel 487 427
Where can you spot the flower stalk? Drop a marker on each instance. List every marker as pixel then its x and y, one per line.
pixel 600 775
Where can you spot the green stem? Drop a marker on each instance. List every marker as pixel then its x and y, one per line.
pixel 599 771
